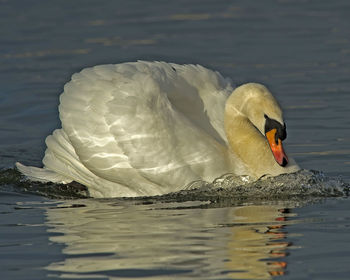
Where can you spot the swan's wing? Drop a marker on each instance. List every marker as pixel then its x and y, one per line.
pixel 124 128
pixel 212 89
pixel 83 109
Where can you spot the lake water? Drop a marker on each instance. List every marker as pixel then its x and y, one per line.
pixel 300 49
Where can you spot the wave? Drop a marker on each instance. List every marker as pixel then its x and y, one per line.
pixel 227 189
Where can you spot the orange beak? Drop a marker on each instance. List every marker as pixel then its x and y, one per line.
pixel 276 147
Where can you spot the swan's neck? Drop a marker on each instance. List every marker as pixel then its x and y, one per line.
pixel 248 144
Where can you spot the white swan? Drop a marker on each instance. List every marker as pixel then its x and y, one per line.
pixel 150 128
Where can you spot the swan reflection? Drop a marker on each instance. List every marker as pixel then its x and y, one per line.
pixel 108 238
pixel 258 245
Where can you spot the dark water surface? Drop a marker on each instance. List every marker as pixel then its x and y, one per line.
pixel 299 49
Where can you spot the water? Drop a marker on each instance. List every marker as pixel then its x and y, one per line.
pixel 300 49
pixel 109 239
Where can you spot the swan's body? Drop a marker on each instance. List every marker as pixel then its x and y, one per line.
pixel 149 128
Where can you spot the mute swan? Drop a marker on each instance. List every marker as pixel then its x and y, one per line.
pixel 150 128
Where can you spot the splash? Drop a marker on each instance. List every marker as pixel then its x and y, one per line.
pixel 299 186
pixel 227 189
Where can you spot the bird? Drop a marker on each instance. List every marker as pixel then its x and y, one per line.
pixel 151 128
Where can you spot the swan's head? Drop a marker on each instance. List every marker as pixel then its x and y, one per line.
pixel 256 103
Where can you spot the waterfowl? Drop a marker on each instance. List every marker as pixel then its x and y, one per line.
pixel 150 128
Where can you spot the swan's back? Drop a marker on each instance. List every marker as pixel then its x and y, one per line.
pixel 140 128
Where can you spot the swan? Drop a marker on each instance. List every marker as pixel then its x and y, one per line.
pixel 150 128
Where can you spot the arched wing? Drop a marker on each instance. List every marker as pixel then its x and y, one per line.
pixel 212 90
pixel 127 124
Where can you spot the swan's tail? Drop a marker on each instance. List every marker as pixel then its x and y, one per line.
pixel 61 163
pixel 41 174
